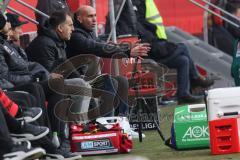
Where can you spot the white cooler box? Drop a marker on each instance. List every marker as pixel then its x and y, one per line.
pixel 223 102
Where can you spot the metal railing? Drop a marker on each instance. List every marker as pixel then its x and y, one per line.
pixel 112 34
pixel 215 13
pixel 22 15
pixel 6 6
pixel 113 21
pixel 206 8
pixel 32 8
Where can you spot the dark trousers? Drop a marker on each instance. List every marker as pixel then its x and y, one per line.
pixel 6 143
pixel 114 95
pixel 13 125
pixel 105 88
pixel 22 98
pixel 121 98
pixel 186 69
pixel 36 90
pixel 45 93
pixel 10 124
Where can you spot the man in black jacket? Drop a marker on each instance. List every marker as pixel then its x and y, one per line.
pixel 83 41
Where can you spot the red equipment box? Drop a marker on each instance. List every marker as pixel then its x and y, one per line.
pixel 224 136
pixel 99 142
pixel 146 81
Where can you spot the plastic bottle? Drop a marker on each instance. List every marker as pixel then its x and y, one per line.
pixel 55 139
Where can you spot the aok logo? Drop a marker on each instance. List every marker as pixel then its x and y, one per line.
pixel 196 132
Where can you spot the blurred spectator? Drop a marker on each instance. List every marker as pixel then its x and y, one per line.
pixel 150 29
pixel 48 7
pixel 234 8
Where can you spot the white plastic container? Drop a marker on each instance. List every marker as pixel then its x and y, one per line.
pixel 110 121
pixel 223 103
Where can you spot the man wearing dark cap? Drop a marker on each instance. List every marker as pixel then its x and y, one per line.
pixel 16 25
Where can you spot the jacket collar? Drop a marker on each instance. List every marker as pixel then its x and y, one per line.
pixel 3 38
pixel 47 31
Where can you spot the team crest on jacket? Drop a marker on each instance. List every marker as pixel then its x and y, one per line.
pixel 8 50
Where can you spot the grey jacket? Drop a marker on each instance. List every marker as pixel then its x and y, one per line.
pixel 14 66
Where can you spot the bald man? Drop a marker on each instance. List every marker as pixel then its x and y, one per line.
pixel 83 41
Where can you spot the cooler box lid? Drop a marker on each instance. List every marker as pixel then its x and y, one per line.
pixel 190 113
pixel 224 92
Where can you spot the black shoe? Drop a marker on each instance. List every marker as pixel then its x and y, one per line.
pixel 190 99
pixel 65 145
pixel 60 154
pixel 202 82
pixel 30 132
pixel 23 150
pixel 29 114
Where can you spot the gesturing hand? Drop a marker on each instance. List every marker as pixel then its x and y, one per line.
pixel 140 49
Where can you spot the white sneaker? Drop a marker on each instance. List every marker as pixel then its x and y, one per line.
pixel 23 151
pixel 135 134
pixel 123 122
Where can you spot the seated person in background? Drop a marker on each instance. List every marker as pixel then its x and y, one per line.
pixel 151 30
pixel 233 8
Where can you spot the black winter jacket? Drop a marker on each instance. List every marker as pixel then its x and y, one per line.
pixel 161 48
pixel 14 66
pixel 234 31
pixel 85 42
pixel 127 23
pixel 47 49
